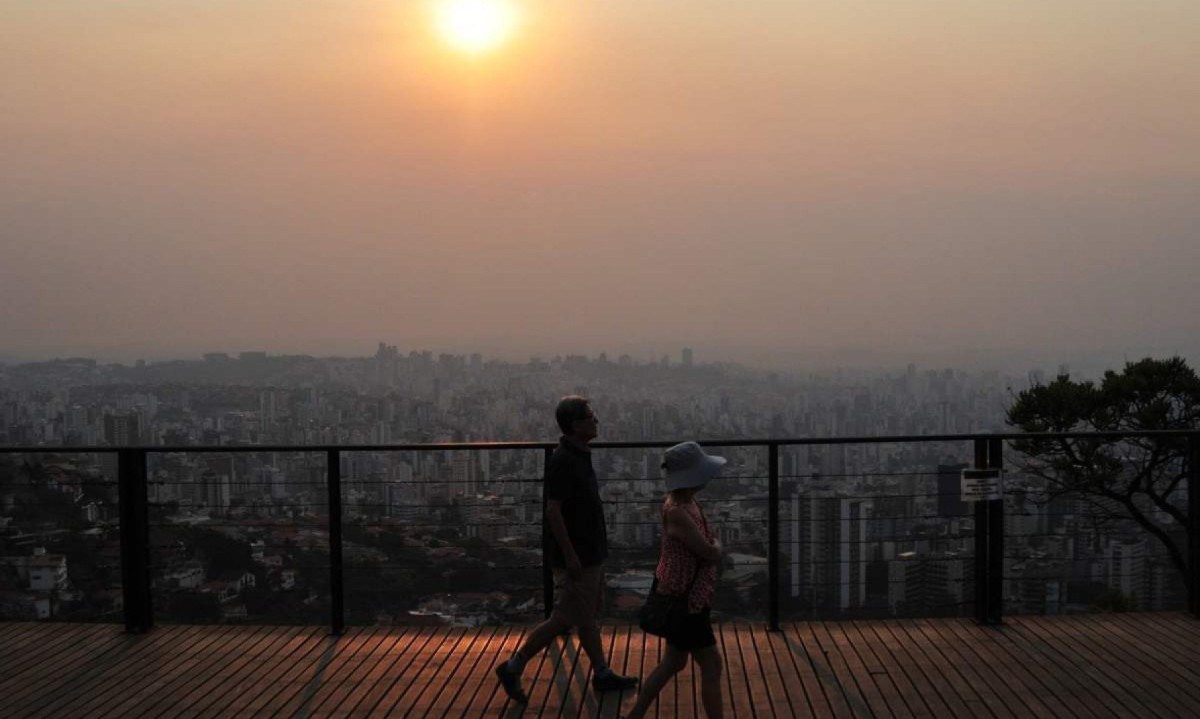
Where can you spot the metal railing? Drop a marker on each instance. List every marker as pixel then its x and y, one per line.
pixel 989 533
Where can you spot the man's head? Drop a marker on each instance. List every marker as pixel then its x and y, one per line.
pixel 576 419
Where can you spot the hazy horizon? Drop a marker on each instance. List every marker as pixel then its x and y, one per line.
pixel 782 185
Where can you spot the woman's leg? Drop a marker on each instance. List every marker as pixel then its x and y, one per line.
pixel 709 661
pixel 673 661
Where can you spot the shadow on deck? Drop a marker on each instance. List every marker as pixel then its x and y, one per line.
pixel 1098 665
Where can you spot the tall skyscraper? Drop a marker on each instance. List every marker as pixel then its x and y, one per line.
pixel 122 429
pixel 828 550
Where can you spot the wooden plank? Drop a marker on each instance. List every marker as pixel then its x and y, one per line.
pixel 180 681
pixel 1178 624
pixel 923 698
pixel 1172 661
pixel 608 704
pixel 142 652
pixel 805 696
pixel 1131 665
pixel 301 694
pixel 202 683
pixel 458 668
pixel 317 653
pixel 738 699
pixel 484 689
pixel 375 676
pixel 846 662
pixel 1025 693
pixel 887 676
pixel 1063 691
pixel 752 638
pixel 589 703
pixel 131 672
pixel 21 642
pixel 836 681
pixel 947 664
pixel 143 658
pixel 250 661
pixel 635 655
pixel 954 697
pixel 342 680
pixel 1074 688
pixel 284 644
pixel 541 683
pixel 259 687
pixel 565 690
pixel 1145 671
pixel 431 677
pixel 404 694
pixel 966 664
pixel 1072 643
pixel 344 669
pixel 396 676
pixel 1168 639
pixel 64 654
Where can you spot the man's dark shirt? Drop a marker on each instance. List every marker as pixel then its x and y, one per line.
pixel 571 480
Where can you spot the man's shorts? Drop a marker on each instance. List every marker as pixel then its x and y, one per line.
pixel 577 601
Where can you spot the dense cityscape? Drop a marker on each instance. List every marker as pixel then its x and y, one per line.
pixel 454 536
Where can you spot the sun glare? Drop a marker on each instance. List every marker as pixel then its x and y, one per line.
pixel 476 26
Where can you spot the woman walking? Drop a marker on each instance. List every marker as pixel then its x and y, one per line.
pixel 687 565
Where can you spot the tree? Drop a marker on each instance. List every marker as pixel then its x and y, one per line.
pixel 1136 478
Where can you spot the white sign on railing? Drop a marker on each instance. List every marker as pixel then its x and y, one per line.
pixel 979 485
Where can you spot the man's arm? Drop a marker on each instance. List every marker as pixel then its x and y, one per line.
pixel 558 528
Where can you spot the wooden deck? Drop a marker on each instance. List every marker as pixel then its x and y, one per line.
pixel 1111 665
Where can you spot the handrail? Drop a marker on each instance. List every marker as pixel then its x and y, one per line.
pixel 989 517
pixel 632 444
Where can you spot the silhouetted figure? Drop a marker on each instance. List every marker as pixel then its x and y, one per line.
pixel 574 517
pixel 688 564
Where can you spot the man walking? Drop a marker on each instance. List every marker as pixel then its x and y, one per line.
pixel 574 518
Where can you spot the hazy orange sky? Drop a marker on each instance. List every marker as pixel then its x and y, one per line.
pixel 805 183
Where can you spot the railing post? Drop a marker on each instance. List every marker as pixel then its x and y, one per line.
pixel 333 481
pixel 135 539
pixel 981 541
pixel 989 540
pixel 995 561
pixel 1193 501
pixel 547 572
pixel 773 536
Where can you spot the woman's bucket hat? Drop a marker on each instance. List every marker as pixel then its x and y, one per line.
pixel 688 467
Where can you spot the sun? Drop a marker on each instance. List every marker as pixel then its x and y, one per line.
pixel 476 26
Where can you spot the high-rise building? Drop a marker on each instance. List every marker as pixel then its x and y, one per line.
pixel 686 357
pixel 1127 568
pixel 123 429
pixel 463 475
pixel 925 584
pixel 828 550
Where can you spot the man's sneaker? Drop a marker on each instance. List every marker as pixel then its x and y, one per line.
pixel 612 682
pixel 511 681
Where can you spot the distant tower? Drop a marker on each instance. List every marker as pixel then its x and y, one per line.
pixel 686 357
pixel 122 429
